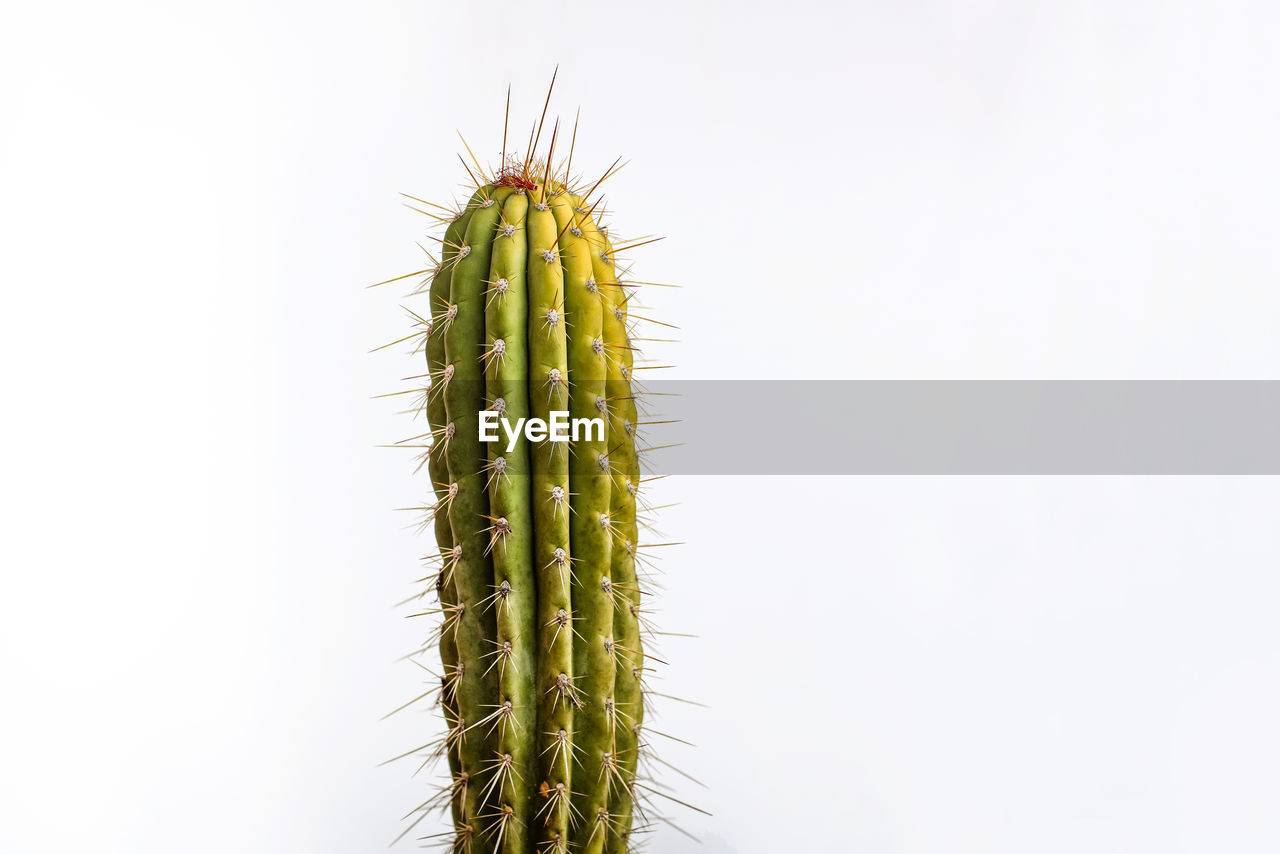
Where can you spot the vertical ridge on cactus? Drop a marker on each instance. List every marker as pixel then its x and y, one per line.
pixel 542 689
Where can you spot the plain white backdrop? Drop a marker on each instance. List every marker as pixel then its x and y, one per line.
pixel 199 555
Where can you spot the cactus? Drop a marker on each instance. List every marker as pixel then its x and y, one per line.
pixel 540 642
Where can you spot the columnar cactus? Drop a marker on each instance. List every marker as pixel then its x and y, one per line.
pixel 542 689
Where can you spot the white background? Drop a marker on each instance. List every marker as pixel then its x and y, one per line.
pixel 199 554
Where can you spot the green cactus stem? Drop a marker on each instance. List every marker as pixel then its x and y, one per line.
pixel 542 693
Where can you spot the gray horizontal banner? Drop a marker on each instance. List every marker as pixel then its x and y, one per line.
pixel 815 427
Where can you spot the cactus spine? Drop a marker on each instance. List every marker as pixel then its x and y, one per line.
pixel 541 640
